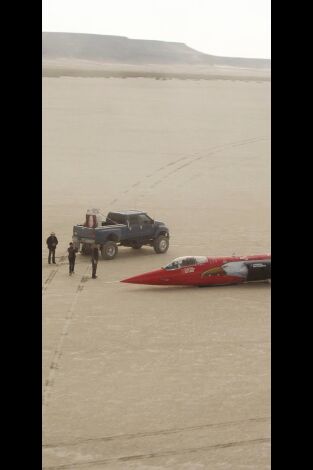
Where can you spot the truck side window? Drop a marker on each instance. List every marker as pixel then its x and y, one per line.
pixel 133 220
pixel 115 219
pixel 144 219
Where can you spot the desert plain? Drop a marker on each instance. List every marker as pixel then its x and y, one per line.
pixel 151 378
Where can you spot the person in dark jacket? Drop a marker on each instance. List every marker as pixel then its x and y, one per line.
pixel 71 257
pixel 94 260
pixel 52 242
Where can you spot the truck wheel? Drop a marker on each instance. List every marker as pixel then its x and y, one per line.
pixel 136 245
pixel 161 244
pixel 86 249
pixel 109 250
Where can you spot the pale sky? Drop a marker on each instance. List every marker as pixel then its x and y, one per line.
pixel 234 28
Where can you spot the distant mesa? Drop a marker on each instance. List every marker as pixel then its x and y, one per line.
pixel 122 50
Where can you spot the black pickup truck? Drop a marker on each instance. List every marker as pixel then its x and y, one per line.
pixel 127 228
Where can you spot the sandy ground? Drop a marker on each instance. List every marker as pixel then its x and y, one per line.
pixel 139 377
pixel 87 68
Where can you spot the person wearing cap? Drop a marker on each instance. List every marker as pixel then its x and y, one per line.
pixel 52 242
pixel 71 257
pixel 94 260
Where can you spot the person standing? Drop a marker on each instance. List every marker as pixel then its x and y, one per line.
pixel 94 260
pixel 71 258
pixel 52 242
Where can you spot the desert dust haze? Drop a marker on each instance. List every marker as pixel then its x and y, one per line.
pixel 139 377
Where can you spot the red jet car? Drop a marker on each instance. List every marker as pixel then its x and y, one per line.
pixel 205 271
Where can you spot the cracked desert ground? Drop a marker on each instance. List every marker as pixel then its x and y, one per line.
pixel 151 378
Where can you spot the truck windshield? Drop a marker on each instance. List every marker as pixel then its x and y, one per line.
pixel 185 261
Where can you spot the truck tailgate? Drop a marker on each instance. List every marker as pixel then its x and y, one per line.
pixel 81 232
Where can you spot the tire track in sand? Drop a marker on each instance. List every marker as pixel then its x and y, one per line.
pixel 190 161
pixel 49 383
pixel 52 274
pixel 161 432
pixel 212 151
pixel 164 453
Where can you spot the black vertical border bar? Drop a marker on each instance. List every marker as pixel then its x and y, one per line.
pixel 22 251
pixel 291 215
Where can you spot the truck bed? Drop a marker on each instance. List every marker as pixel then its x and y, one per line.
pixel 90 235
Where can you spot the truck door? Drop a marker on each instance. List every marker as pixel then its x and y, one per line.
pixel 134 227
pixel 146 226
